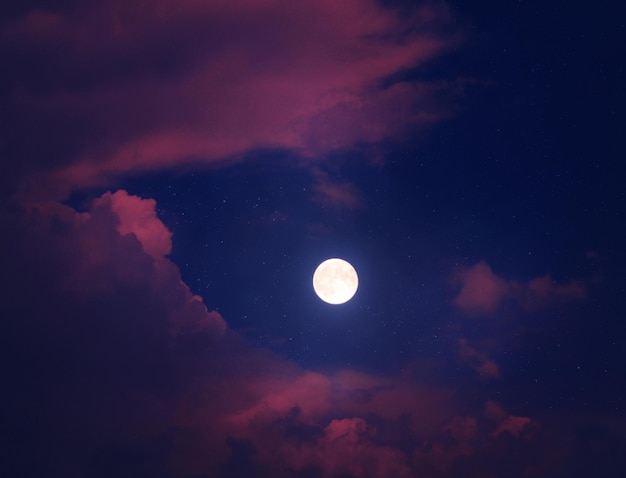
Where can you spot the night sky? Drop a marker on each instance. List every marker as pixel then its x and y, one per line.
pixel 173 171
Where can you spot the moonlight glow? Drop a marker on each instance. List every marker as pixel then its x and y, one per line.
pixel 335 281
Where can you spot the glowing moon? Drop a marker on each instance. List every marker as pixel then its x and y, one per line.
pixel 335 281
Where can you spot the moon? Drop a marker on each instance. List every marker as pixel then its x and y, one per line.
pixel 335 281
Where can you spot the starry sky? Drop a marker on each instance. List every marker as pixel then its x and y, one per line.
pixel 174 171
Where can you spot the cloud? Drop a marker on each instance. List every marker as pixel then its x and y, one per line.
pixel 138 216
pixel 462 428
pixel 342 195
pixel 477 360
pixel 339 423
pixel 481 290
pixel 118 246
pixel 112 366
pixel 493 411
pixel 547 289
pixel 483 293
pixel 347 447
pixel 515 426
pixel 98 339
pixel 132 87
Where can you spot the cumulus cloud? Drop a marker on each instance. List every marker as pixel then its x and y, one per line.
pixel 138 216
pixel 118 246
pixel 482 292
pixel 347 448
pixel 94 327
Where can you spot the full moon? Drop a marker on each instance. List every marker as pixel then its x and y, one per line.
pixel 335 281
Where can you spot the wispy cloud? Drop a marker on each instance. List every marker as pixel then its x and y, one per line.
pixel 478 360
pixel 157 85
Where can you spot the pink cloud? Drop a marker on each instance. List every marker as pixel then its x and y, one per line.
pixel 462 428
pixel 120 243
pixel 310 393
pixel 515 426
pixel 333 408
pixel 336 194
pixel 483 292
pixel 493 411
pixel 199 82
pixel 138 216
pixel 337 422
pixel 318 396
pixel 394 398
pixel 546 288
pixel 478 360
pixel 347 448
